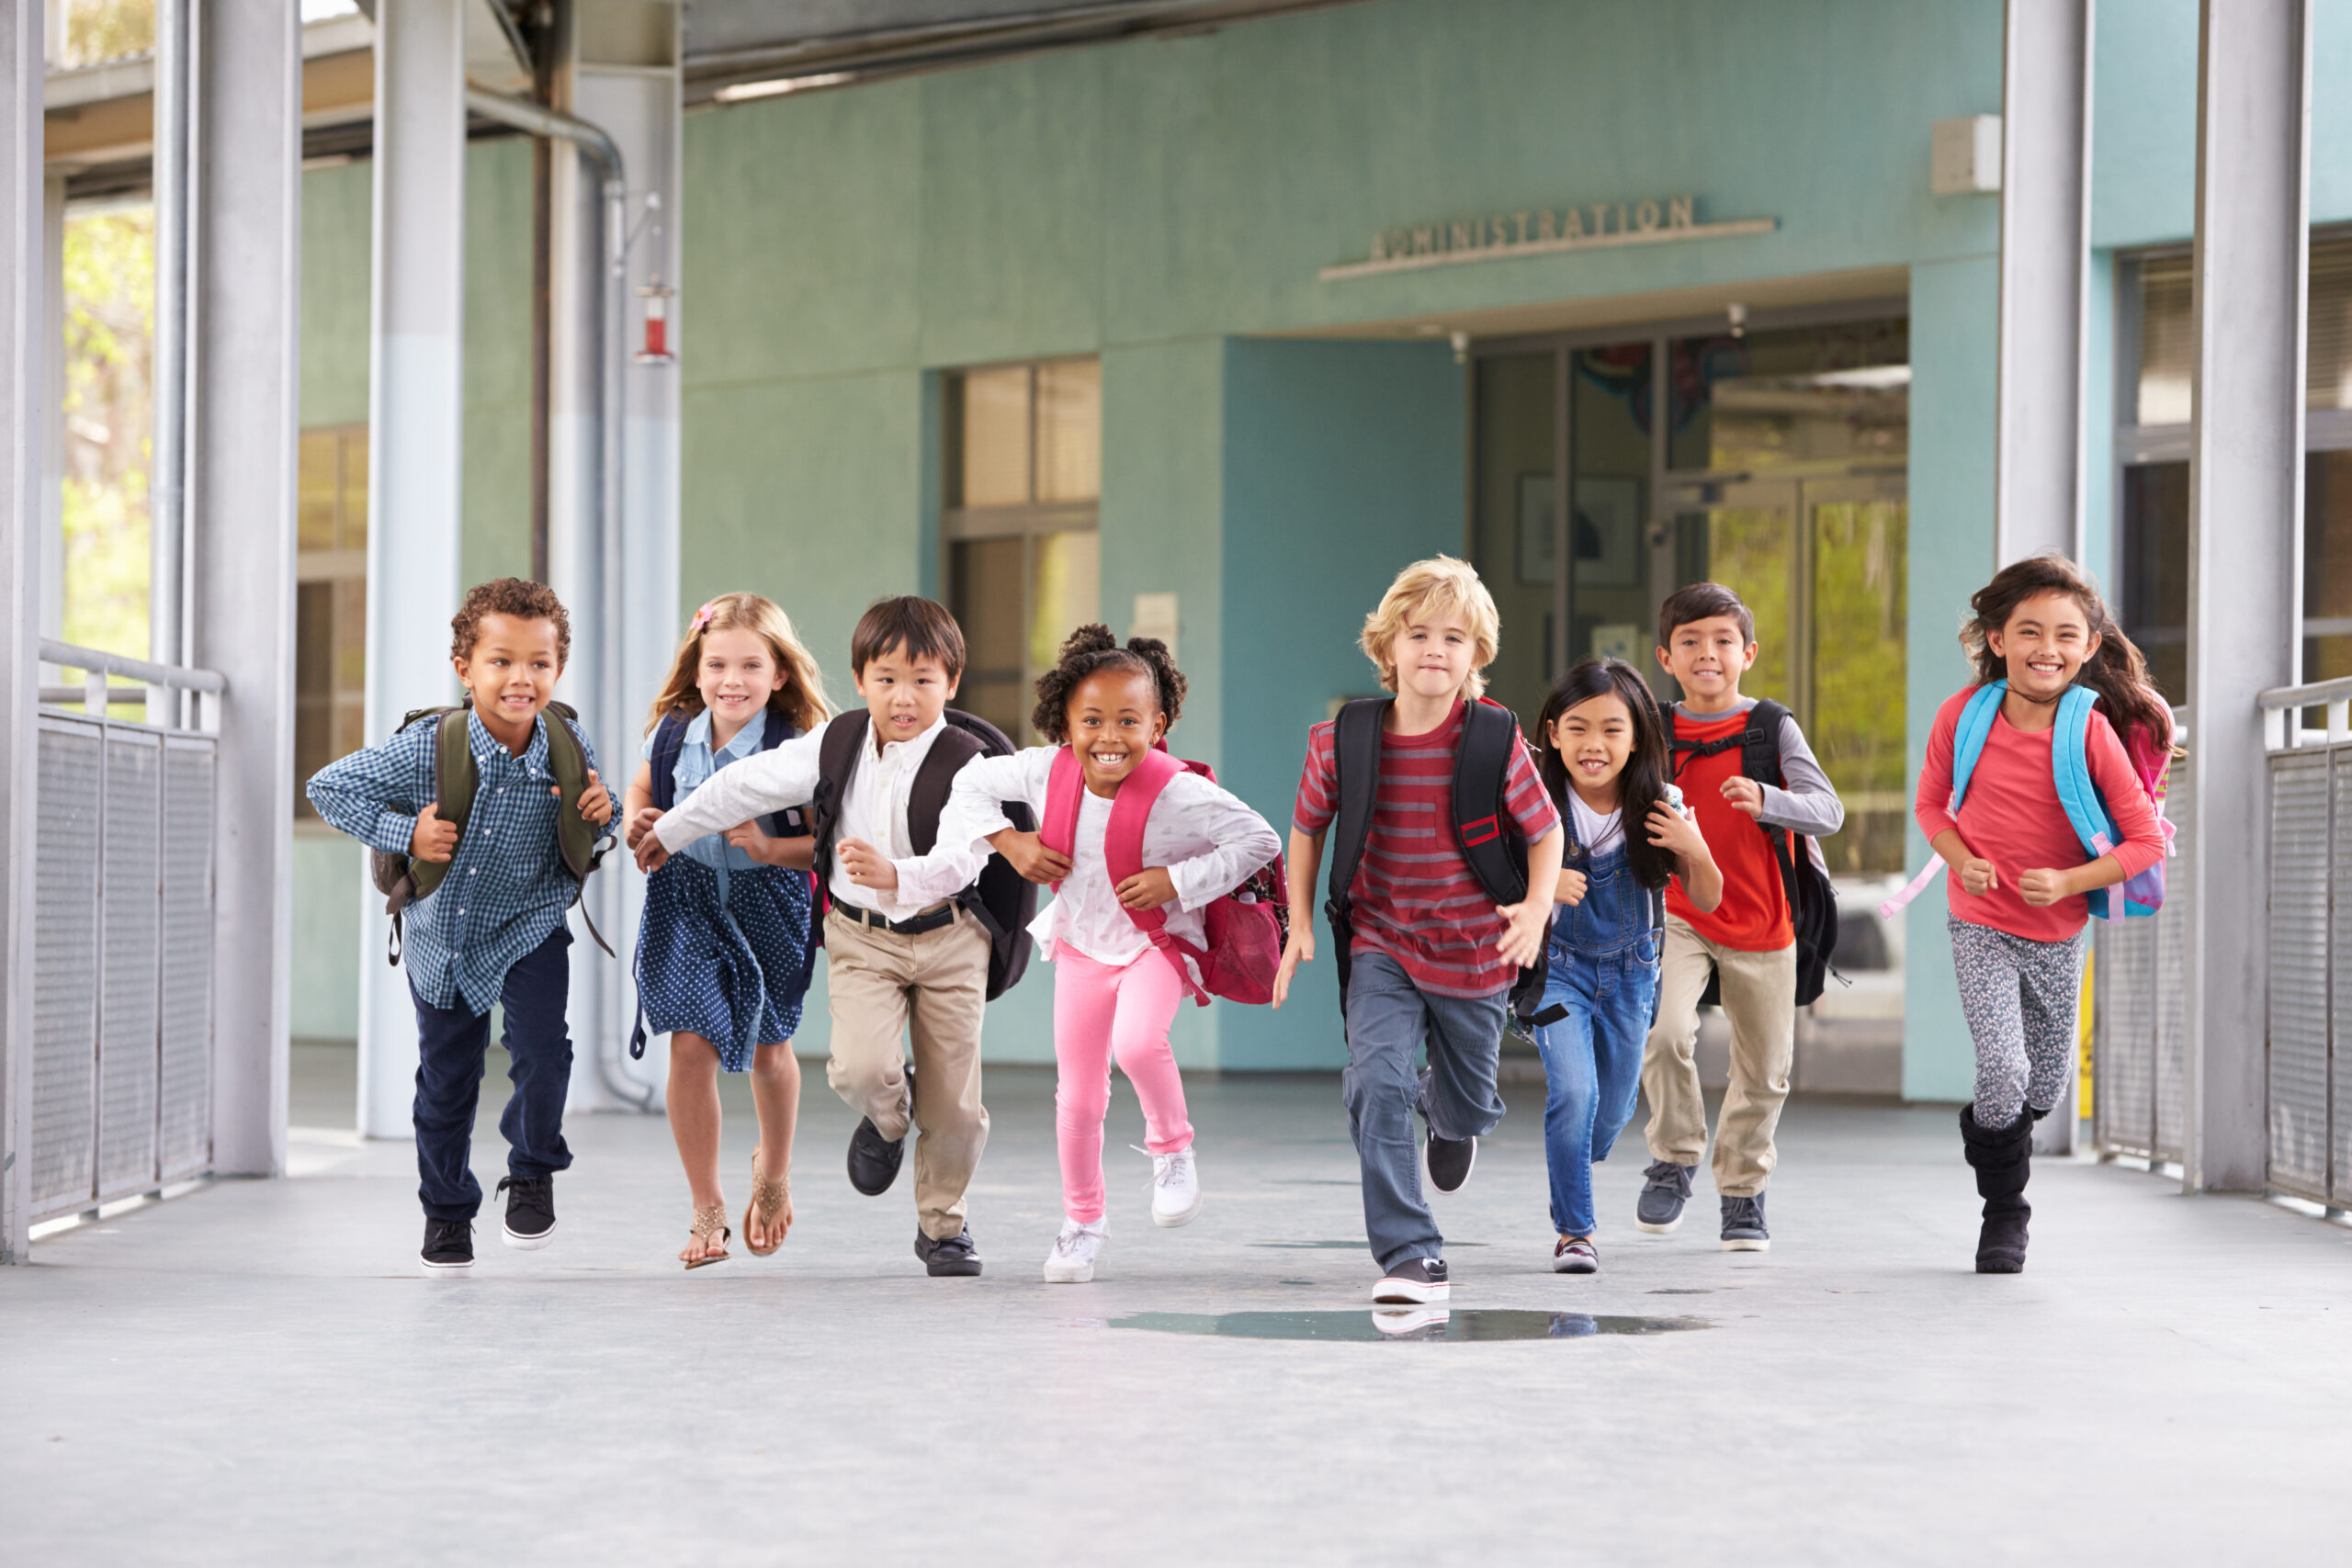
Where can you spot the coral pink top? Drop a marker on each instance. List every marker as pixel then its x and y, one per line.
pixel 2011 817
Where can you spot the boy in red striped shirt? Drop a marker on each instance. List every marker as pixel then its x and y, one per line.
pixel 1433 956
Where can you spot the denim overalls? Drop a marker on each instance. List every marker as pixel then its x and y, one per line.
pixel 1604 958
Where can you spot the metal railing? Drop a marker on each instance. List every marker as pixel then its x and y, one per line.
pixel 122 934
pixel 2140 1010
pixel 2309 1002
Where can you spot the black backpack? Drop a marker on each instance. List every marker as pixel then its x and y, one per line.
pixel 1001 899
pixel 669 739
pixel 582 843
pixel 1489 839
pixel 1812 903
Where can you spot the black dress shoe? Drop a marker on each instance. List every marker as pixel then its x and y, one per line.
pixel 874 1160
pixel 958 1255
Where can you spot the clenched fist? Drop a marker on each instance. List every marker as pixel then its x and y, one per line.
pixel 433 840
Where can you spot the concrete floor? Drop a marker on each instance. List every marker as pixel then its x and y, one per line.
pixel 253 1373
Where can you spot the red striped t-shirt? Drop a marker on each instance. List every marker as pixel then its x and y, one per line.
pixel 1415 899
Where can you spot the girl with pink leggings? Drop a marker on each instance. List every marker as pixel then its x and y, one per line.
pixel 1105 708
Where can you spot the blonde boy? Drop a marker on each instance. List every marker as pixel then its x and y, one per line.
pixel 1428 954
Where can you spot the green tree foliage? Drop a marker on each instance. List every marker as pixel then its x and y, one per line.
pixel 99 31
pixel 110 278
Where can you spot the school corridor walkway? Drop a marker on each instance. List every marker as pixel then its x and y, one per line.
pixel 253 1373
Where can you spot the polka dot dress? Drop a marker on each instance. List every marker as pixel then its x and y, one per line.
pixel 733 973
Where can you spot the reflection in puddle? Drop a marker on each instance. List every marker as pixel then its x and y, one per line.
pixel 1357 1246
pixel 1411 1322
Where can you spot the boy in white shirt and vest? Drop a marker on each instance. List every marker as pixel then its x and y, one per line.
pixel 894 967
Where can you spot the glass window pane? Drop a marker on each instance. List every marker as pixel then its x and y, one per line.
pixel 318 480
pixel 984 591
pixel 2155 571
pixel 996 437
pixel 1066 587
pixel 355 488
pixel 2327 566
pixel 1859 662
pixel 1749 551
pixel 1609 556
pixel 2328 373
pixel 2167 344
pixel 1512 540
pixel 1799 395
pixel 1070 431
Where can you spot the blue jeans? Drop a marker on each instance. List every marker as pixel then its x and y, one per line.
pixel 1389 1019
pixel 449 1047
pixel 1605 963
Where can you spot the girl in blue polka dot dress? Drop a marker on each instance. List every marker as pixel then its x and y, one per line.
pixel 724 949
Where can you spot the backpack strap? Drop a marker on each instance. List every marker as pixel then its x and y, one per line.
pixel 455 779
pixel 1491 843
pixel 669 739
pixel 582 843
pixel 837 758
pixel 1759 743
pixel 1355 765
pixel 927 794
pixel 1122 856
pixel 1065 793
pixel 1968 737
pixel 2078 793
pixel 791 822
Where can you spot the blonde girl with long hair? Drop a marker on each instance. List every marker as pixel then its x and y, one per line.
pixel 724 949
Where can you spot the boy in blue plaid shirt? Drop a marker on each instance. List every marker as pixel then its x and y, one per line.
pixel 493 931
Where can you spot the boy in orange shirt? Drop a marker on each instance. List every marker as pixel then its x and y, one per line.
pixel 1707 641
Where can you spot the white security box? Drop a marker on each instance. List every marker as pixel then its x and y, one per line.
pixel 1966 156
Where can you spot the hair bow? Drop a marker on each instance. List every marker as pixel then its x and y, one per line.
pixel 702 617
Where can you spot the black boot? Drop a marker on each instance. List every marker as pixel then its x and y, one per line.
pixel 2003 1159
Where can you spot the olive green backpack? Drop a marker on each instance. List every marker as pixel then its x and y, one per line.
pixel 405 880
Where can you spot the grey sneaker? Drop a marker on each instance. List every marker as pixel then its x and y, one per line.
pixel 1744 1225
pixel 1668 1187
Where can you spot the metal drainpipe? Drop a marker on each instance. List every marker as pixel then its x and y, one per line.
pixel 600 150
pixel 170 585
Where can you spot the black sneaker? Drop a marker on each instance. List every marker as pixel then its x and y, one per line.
pixel 1744 1225
pixel 958 1255
pixel 448 1247
pixel 874 1160
pixel 1448 1161
pixel 1416 1281
pixel 1668 1187
pixel 530 1211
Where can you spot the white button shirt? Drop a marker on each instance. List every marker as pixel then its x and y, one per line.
pixel 875 809
pixel 1207 837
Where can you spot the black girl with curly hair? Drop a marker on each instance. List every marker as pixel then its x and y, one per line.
pixel 1090 651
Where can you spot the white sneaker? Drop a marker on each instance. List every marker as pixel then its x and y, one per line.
pixel 1071 1262
pixel 1175 1189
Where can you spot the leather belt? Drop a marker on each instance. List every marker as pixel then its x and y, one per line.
pixel 942 916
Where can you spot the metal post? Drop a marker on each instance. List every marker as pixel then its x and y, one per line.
pixel 2245 544
pixel 169 585
pixel 244 273
pixel 2045 271
pixel 415 454
pixel 24 387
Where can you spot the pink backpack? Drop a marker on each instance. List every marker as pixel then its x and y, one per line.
pixel 1245 929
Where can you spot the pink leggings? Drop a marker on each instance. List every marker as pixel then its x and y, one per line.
pixel 1100 1012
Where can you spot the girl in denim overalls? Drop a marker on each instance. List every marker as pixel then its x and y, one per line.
pixel 1601 745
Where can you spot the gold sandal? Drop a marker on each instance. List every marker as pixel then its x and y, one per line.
pixel 768 1197
pixel 711 1221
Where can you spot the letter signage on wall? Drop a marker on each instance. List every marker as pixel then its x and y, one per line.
pixel 1543 231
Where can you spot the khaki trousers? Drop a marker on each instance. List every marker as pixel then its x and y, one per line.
pixel 1760 993
pixel 931 988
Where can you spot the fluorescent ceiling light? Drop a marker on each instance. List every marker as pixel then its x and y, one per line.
pixel 1873 377
pixel 738 92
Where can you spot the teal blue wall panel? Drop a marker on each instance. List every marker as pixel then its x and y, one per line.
pixel 1953 368
pixel 1343 463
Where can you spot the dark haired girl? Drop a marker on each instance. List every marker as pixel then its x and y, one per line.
pixel 2018 880
pixel 1602 751
pixel 1115 994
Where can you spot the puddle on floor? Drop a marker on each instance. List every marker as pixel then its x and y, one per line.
pixel 1357 1246
pixel 1407 1323
pixel 1674 1292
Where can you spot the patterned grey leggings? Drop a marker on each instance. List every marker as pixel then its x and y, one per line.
pixel 2021 997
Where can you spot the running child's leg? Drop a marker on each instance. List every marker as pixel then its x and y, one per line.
pixel 538 1046
pixel 1992 999
pixel 693 1107
pixel 1620 1027
pixel 450 1043
pixel 1086 1002
pixel 1678 1126
pixel 944 1011
pixel 866 976
pixel 1570 1087
pixel 1466 1044
pixel 1760 991
pixel 2051 977
pixel 1148 993
pixel 1387 1018
pixel 775 1094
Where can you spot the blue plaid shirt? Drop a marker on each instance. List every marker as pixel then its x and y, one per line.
pixel 505 889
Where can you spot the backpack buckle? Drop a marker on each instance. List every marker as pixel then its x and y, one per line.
pixel 1481 831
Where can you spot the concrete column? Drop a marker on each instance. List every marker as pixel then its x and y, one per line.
pixel 53 488
pixel 615 564
pixel 2245 544
pixel 416 439
pixel 2045 254
pixel 245 269
pixel 24 425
